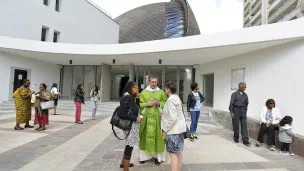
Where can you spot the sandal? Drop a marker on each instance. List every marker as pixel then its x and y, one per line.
pixel 272 148
pixel 18 128
pixel 122 165
pixel 80 122
pixel 41 129
pixel 38 128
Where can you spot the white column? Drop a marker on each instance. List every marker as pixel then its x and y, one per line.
pixel 163 77
pixel 131 72
pixel 105 84
pixel 137 74
pixel 177 80
pixel 264 12
pixel 144 78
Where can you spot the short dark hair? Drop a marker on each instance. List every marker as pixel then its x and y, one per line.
pixel 25 80
pixel 152 76
pixel 170 85
pixel 193 86
pixel 286 120
pixel 269 101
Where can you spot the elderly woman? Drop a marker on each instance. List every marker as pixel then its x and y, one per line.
pixel 174 125
pixel 270 117
pixel 41 116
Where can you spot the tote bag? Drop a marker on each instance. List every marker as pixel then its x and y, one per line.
pixel 47 105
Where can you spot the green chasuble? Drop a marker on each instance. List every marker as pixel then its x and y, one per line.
pixel 150 130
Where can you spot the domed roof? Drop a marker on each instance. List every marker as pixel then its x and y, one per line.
pixel 157 21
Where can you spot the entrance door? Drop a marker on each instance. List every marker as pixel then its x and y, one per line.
pixel 208 89
pixel 19 76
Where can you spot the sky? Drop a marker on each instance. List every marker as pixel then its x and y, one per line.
pixel 211 15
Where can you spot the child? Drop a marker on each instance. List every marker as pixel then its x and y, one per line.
pixel 285 135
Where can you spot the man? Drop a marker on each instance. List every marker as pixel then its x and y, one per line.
pixel 152 100
pixel 238 110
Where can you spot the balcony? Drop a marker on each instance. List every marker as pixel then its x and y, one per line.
pixel 286 8
pixel 293 14
pixel 275 5
pixel 257 22
pixel 254 2
pixel 257 7
pixel 256 16
pixel 246 4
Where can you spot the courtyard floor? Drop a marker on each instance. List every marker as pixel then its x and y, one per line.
pixel 67 146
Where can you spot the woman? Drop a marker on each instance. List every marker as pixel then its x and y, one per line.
pixel 270 117
pixel 78 100
pixel 174 126
pixel 95 96
pixel 129 110
pixel 23 106
pixel 55 95
pixel 41 116
pixel 195 98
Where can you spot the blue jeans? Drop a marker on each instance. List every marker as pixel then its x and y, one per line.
pixel 94 107
pixel 194 119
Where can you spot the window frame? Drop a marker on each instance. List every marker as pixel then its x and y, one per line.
pixel 46 2
pixel 57 33
pixel 46 33
pixel 57 5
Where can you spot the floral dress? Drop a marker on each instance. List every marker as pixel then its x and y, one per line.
pixel 23 106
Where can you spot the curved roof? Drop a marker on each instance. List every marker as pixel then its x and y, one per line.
pixel 181 51
pixel 157 21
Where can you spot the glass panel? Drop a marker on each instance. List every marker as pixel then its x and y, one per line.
pixel 119 77
pixel 178 34
pixel 78 78
pixel 89 79
pixel 171 74
pixel 98 76
pixel 175 20
pixel 67 82
pixel 175 24
pixel 185 82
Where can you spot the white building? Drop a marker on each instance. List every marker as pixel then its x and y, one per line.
pixel 64 21
pixel 258 12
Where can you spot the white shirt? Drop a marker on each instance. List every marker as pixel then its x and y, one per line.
pixel 54 90
pixel 276 115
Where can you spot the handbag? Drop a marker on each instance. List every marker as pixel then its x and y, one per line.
pixel 123 124
pixel 33 99
pixel 47 105
pixel 187 133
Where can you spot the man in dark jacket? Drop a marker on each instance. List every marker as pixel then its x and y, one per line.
pixel 238 110
pixel 195 98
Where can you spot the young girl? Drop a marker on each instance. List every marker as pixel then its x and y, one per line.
pixel 285 135
pixel 95 95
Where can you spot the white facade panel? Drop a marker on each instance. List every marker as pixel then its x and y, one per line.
pixel 270 73
pixel 78 21
pixel 38 72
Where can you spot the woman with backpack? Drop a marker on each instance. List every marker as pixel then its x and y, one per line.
pixel 129 110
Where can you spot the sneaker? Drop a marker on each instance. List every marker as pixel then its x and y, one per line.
pixel 191 137
pixel 283 153
pixel 247 143
pixel 194 135
pixel 290 153
pixel 257 144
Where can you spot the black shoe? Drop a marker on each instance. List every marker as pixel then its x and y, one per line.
pixel 122 165
pixel 142 162
pixel 236 141
pixel 28 126
pixel 247 143
pixel 156 162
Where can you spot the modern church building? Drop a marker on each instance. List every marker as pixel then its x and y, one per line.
pixel 92 48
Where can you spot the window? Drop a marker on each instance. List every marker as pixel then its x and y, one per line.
pixel 46 2
pixel 44 32
pixel 56 36
pixel 57 5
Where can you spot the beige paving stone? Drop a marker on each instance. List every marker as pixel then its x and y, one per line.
pixel 68 155
pixel 13 139
pixel 52 127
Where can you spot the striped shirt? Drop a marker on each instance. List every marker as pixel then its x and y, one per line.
pixel 238 100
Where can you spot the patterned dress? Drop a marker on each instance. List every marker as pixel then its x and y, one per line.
pixel 23 106
pixel 133 139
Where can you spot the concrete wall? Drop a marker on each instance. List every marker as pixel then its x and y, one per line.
pixel 270 73
pixel 77 21
pixel 39 72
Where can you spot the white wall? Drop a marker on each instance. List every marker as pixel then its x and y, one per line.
pixel 40 72
pixel 78 21
pixel 270 73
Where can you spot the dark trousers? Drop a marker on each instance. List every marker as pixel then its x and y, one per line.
pixel 240 115
pixel 285 147
pixel 270 131
pixel 128 152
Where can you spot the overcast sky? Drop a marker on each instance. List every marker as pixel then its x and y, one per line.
pixel 212 15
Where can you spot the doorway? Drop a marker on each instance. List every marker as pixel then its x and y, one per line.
pixel 19 76
pixel 208 86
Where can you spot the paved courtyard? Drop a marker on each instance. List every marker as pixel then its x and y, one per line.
pixel 67 146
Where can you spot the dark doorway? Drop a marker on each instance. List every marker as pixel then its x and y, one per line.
pixel 19 76
pixel 123 82
pixel 208 89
